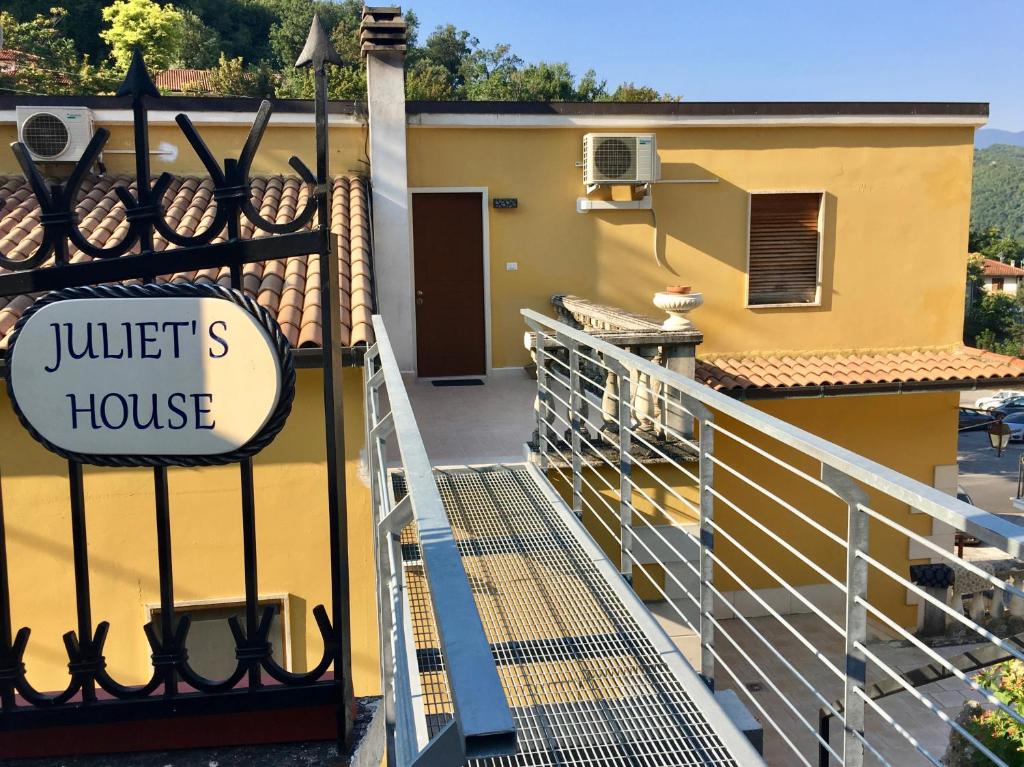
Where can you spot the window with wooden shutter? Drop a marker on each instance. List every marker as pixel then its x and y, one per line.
pixel 785 239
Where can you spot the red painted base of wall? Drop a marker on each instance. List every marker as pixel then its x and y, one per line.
pixel 177 732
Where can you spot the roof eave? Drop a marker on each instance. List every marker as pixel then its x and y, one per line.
pixel 892 387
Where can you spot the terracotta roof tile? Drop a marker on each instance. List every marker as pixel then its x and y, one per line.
pixel 288 288
pixel 995 268
pixel 180 80
pixel 743 373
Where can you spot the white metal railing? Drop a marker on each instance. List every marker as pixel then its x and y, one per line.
pixel 482 723
pixel 784 553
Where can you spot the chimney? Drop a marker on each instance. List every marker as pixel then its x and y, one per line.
pixel 383 39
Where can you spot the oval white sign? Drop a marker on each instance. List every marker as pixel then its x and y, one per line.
pixel 158 376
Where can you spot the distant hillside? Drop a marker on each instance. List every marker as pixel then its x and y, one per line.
pixel 998 198
pixel 986 137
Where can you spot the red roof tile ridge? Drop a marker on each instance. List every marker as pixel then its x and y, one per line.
pixel 802 355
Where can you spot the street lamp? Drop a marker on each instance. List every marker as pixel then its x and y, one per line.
pixel 999 436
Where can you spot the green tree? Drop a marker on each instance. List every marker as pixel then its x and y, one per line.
pixel 50 62
pixel 993 323
pixel 158 30
pixel 427 80
pixel 640 93
pixel 997 198
pixel 242 26
pixel 447 49
pixel 83 21
pixel 232 78
pixel 992 242
pixel 975 273
pixel 347 83
pixel 288 32
pixel 201 47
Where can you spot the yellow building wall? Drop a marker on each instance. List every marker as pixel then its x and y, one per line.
pixel 912 433
pixel 895 198
pixel 292 541
pixel 347 148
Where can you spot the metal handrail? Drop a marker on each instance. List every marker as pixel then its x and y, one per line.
pixel 982 524
pixel 653 415
pixel 482 725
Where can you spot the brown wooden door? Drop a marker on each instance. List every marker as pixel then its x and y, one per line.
pixel 448 251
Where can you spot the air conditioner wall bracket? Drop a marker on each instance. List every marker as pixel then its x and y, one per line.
pixel 585 204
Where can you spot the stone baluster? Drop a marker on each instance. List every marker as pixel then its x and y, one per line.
pixel 644 399
pixel 977 607
pixel 610 402
pixel 544 404
pixel 1016 601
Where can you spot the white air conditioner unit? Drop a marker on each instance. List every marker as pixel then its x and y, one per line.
pixel 620 158
pixel 54 134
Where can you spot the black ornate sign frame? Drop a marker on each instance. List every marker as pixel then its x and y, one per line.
pixel 260 440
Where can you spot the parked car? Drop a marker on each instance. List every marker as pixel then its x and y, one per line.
pixel 1008 406
pixel 1015 421
pixel 972 419
pixel 994 400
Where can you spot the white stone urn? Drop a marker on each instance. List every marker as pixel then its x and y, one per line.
pixel 677 305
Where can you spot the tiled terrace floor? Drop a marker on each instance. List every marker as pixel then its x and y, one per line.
pixel 475 424
pixel 923 725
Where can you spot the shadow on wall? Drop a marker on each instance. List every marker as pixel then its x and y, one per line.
pixel 696 223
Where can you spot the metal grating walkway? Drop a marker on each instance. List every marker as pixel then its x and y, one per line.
pixel 586 683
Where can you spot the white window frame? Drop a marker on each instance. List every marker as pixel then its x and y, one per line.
pixel 821 245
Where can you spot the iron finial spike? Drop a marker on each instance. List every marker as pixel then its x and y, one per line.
pixel 318 49
pixel 137 82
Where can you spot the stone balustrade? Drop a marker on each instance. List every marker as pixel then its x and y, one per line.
pixel 962 590
pixel 654 409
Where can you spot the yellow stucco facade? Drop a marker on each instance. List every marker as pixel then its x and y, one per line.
pixel 895 198
pixel 911 432
pixel 292 540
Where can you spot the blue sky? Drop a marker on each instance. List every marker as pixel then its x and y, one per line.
pixel 770 50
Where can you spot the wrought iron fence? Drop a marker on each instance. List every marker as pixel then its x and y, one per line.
pixel 481 723
pixel 784 558
pixel 258 680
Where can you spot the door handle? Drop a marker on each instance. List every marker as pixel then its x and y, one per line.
pixel 419 294
pixel 419 298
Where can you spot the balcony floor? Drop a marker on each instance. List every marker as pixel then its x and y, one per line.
pixel 485 424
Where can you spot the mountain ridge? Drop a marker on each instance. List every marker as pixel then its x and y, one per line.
pixel 986 137
pixel 998 194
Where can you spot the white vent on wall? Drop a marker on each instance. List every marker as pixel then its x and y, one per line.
pixel 54 134
pixel 620 158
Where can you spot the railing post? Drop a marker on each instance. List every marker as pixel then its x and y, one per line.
pixel 707 541
pixel 625 474
pixel 856 614
pixel 576 401
pixel 542 399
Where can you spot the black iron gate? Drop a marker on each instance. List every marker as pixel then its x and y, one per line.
pixel 175 687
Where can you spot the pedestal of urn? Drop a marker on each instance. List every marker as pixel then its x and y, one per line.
pixel 677 305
